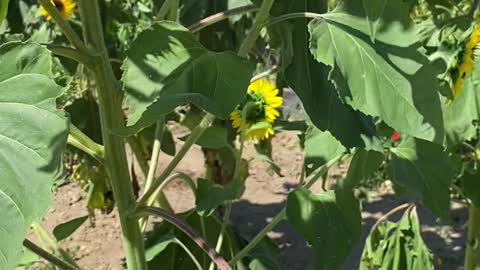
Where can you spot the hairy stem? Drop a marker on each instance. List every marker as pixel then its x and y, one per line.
pixel 82 142
pixel 159 130
pixel 48 256
pixel 65 27
pixel 259 237
pixel 164 9
pixel 73 54
pixel 189 253
pixel 194 136
pixel 260 19
pixel 111 116
pixel 472 254
pixel 189 231
pixel 221 236
pixel 218 17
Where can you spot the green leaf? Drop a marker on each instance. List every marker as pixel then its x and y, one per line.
pixel 464 110
pixel 424 169
pixel 363 165
pixel 33 136
pixel 163 73
pixel 471 186
pixel 159 246
pixel 382 20
pixel 211 195
pixel 309 80
pixel 64 230
pixel 382 80
pixel 330 223
pixel 215 137
pixel 397 246
pixel 3 10
pixel 320 148
pixel 28 258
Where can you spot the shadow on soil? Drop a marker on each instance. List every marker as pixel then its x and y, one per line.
pixel 446 240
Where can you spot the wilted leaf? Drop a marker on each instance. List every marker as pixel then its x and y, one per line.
pixel 397 246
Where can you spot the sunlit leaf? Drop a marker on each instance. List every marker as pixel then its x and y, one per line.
pixel 396 84
pixel 33 136
pixel 163 73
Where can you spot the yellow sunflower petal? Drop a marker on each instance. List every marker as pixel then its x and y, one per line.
pixel 65 7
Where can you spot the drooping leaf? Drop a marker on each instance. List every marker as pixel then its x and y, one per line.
pixel 396 84
pixel 320 148
pixel 397 246
pixel 330 223
pixel 64 230
pixel 33 136
pixel 423 169
pixel 163 73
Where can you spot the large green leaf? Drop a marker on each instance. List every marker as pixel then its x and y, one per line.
pixel 397 84
pixel 381 19
pixel 424 169
pixel 163 73
pixel 320 148
pixel 331 223
pixel 397 246
pixel 309 80
pixel 3 9
pixel 32 139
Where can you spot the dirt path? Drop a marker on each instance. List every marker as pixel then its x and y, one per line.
pixel 99 247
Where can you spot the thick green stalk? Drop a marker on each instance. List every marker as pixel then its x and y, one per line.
pixel 82 142
pixel 48 256
pixel 472 254
pixel 260 19
pixel 111 116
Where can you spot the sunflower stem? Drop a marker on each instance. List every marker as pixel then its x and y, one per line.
pixel 65 27
pixel 218 17
pixel 192 139
pixel 260 19
pixel 112 117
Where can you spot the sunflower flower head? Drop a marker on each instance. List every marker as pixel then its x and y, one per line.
pixel 463 66
pixel 258 112
pixel 65 7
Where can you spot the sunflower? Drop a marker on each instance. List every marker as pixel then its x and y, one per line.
pixel 465 60
pixel 258 112
pixel 65 7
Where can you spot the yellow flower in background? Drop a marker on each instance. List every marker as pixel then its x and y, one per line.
pixel 466 60
pixel 260 109
pixel 65 7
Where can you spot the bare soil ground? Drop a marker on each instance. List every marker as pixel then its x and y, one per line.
pixel 100 247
